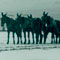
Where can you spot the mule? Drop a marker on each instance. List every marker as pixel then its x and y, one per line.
pixel 51 27
pixel 58 26
pixel 12 26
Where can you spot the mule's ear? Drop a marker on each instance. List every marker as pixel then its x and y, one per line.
pixel 17 14
pixel 47 13
pixel 5 14
pixel 27 15
pixel 44 13
pixel 20 15
pixel 2 13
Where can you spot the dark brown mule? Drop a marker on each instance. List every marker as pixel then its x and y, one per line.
pixel 12 26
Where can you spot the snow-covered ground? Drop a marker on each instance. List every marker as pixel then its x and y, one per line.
pixel 36 54
pixel 27 52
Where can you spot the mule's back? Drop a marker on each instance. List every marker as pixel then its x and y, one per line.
pixel 58 24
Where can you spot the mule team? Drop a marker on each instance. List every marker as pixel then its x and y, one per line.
pixel 34 25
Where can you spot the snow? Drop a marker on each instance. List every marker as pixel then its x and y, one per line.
pixel 52 54
pixel 27 52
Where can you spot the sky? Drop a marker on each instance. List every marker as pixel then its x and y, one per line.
pixel 35 7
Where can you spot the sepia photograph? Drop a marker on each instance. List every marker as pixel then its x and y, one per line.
pixel 29 29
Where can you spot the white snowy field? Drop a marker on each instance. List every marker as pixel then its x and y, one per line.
pixel 27 52
pixel 36 54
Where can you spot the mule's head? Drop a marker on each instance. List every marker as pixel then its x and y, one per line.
pixel 19 18
pixel 45 18
pixel 3 19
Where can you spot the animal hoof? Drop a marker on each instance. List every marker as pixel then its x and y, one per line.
pixel 28 43
pixel 13 43
pixel 24 42
pixel 40 42
pixel 36 42
pixel 33 43
pixel 7 42
pixel 17 42
pixel 21 42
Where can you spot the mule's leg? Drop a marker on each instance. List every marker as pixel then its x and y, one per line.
pixel 40 37
pixel 59 39
pixel 21 37
pixel 18 39
pixel 28 37
pixel 56 39
pixel 13 38
pixel 52 37
pixel 37 38
pixel 33 37
pixel 45 36
pixel 8 37
pixel 25 37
